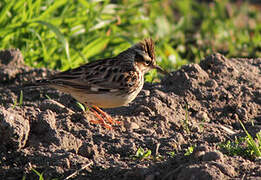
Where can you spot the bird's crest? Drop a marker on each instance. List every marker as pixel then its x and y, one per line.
pixel 148 46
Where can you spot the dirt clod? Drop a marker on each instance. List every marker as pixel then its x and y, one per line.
pixel 14 129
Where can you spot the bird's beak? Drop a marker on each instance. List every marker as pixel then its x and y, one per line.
pixel 160 70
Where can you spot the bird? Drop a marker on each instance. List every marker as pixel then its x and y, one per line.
pixel 107 83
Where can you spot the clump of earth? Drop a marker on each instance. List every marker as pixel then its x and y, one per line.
pixel 195 108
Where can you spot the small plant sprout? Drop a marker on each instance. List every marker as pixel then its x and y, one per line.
pixel 47 96
pixel 21 98
pixel 141 154
pixel 189 151
pixel 81 106
pixel 171 153
pixel 252 122
pixel 234 148
pixel 40 175
pixel 15 102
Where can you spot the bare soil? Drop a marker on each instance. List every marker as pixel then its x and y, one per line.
pixel 199 105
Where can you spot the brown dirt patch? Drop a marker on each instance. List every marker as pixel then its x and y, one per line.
pixel 55 137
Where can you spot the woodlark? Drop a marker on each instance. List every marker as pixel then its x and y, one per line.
pixel 108 83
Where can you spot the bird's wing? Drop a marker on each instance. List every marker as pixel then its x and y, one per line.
pixel 99 77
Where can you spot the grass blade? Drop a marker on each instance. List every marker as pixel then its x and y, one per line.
pixel 95 47
pixel 251 141
pixel 5 10
pixel 59 35
pixel 21 98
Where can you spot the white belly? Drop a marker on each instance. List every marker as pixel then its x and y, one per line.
pixel 106 100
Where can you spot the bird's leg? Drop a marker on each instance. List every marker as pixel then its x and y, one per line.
pixel 107 116
pixel 100 121
pixel 99 117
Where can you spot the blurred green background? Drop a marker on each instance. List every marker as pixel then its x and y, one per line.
pixel 62 34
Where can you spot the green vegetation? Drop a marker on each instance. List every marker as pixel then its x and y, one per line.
pixel 244 146
pixel 189 151
pixel 21 97
pixel 171 153
pixel 254 146
pixel 20 100
pixel 141 154
pixel 64 34
pixel 81 106
pixel 146 155
pixel 47 96
pixel 40 175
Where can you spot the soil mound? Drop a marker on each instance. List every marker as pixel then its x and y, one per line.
pixel 198 105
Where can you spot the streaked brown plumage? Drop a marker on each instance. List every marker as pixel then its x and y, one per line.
pixel 108 83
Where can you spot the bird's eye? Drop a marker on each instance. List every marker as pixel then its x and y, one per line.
pixel 147 62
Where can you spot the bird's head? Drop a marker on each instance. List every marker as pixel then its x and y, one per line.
pixel 145 56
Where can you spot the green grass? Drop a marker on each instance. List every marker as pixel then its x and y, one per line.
pixel 254 146
pixel 64 34
pixel 244 146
